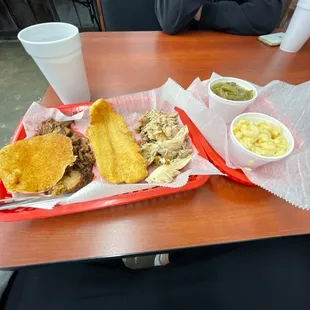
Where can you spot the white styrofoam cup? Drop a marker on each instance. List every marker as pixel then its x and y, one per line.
pixel 298 31
pixel 229 109
pixel 245 158
pixel 56 49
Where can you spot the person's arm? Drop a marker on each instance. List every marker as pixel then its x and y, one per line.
pixel 175 15
pixel 254 17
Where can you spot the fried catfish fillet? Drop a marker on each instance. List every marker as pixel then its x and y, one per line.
pixel 35 165
pixel 117 155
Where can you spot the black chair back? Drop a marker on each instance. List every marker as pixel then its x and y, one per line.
pixel 129 15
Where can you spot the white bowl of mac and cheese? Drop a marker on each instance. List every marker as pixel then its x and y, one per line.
pixel 257 139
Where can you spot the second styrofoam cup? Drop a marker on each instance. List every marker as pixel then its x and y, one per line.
pixel 56 49
pixel 298 31
pixel 229 109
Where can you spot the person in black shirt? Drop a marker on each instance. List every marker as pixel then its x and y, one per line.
pixel 243 17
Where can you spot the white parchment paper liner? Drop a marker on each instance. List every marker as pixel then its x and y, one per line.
pixel 131 107
pixel 288 179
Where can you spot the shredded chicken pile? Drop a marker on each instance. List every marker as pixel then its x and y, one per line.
pixel 163 143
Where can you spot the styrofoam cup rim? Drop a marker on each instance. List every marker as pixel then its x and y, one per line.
pixel 22 32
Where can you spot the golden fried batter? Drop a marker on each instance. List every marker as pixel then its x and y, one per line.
pixel 36 164
pixel 117 155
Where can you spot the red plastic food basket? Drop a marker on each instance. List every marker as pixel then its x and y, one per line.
pixel 26 213
pixel 233 174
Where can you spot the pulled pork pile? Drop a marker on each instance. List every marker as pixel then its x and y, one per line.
pixel 80 173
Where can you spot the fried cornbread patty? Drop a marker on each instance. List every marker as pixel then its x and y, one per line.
pixel 117 155
pixel 36 164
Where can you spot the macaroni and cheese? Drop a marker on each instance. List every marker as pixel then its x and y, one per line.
pixel 262 138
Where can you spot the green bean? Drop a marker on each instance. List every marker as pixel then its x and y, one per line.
pixel 232 91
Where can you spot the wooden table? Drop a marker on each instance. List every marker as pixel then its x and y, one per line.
pixel 220 211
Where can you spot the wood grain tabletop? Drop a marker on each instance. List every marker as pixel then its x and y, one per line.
pixel 220 211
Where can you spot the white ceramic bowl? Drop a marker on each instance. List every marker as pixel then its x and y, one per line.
pixel 244 158
pixel 229 109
